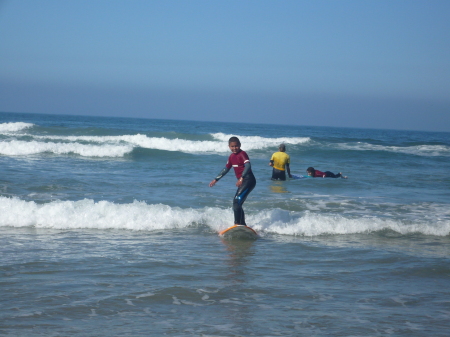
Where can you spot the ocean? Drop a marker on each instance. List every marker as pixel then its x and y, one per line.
pixel 108 228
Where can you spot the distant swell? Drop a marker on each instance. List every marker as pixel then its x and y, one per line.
pixel 418 150
pixel 141 216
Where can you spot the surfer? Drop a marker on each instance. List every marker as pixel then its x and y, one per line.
pixel 240 161
pixel 280 162
pixel 327 174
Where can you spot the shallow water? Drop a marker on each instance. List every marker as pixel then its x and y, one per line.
pixel 189 282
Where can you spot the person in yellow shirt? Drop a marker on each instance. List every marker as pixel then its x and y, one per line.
pixel 280 162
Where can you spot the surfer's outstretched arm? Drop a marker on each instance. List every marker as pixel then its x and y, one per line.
pixel 220 175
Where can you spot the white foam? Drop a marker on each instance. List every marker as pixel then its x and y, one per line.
pixel 14 127
pixel 105 215
pixel 143 141
pixel 145 295
pixel 22 148
pixel 313 224
pixel 419 150
pixel 182 145
pixel 141 216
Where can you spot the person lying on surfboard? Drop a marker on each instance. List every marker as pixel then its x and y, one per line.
pixel 240 161
pixel 327 174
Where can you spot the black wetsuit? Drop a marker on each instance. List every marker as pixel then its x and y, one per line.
pixel 329 174
pixel 242 193
pixel 278 174
pixel 243 169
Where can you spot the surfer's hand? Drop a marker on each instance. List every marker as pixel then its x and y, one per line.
pixel 239 182
pixel 212 183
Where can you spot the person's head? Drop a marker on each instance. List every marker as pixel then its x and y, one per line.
pixel 311 172
pixel 234 144
pixel 282 148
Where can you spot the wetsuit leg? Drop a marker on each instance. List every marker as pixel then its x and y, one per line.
pixel 241 194
pixel 278 174
pixel 332 175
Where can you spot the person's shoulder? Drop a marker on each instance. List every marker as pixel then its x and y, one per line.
pixel 243 154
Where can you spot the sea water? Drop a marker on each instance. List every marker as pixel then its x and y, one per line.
pixel 108 228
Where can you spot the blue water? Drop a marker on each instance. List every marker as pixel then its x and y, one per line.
pixel 108 227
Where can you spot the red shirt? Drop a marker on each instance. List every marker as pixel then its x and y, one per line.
pixel 237 161
pixel 318 174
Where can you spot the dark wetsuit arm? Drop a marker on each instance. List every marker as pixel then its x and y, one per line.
pixel 288 169
pixel 248 168
pixel 222 173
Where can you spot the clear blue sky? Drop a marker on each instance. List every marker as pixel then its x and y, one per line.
pixel 376 64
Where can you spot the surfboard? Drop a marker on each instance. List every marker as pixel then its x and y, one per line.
pixel 294 176
pixel 239 232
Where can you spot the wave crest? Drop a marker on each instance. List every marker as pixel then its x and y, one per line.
pixel 14 126
pixel 314 224
pixel 257 142
pixel 118 146
pixel 22 148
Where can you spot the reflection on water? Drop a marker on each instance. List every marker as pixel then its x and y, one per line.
pixel 238 305
pixel 279 187
pixel 239 254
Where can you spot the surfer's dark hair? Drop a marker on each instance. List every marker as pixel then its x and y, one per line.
pixel 311 170
pixel 234 140
pixel 282 147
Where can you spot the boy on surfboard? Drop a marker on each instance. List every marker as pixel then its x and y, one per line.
pixel 240 161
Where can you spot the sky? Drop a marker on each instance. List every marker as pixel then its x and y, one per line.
pixel 369 64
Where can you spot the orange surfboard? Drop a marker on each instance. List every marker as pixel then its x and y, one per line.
pixel 239 232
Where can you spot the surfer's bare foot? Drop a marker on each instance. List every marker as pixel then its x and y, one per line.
pixel 342 176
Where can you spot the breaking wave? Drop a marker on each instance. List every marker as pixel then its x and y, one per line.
pixel 14 127
pixel 118 146
pixel 88 214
